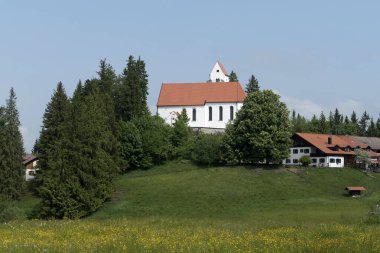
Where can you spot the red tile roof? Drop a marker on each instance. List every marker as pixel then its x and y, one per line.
pixel 355 188
pixel 320 141
pixel 182 94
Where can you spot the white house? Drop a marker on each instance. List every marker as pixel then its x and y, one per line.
pixel 327 150
pixel 219 73
pixel 209 105
pixel 30 163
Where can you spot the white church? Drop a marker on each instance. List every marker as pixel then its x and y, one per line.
pixel 209 105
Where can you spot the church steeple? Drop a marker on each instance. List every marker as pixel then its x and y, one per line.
pixel 219 73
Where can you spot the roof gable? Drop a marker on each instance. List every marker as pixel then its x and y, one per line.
pixel 182 94
pixel 222 68
pixel 320 141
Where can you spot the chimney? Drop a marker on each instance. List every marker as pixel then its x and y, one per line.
pixel 329 140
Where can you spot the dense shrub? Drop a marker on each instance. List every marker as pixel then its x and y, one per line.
pixel 131 147
pixel 155 137
pixel 207 149
pixel 9 212
pixel 182 137
pixel 305 160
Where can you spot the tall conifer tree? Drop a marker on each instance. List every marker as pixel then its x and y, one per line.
pixel 363 124
pixel 132 92
pixel 233 77
pixel 84 167
pixel 106 82
pixel 11 151
pixel 322 128
pixel 54 119
pixel 252 85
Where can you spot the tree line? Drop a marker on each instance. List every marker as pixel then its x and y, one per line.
pixel 337 123
pixel 334 123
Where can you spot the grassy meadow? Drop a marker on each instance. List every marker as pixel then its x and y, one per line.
pixel 179 207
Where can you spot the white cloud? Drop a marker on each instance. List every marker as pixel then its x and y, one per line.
pixel 23 131
pixel 304 107
pixel 346 107
pixel 27 138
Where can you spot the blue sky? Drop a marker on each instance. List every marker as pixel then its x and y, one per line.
pixel 317 55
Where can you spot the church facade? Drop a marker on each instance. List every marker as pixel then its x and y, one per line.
pixel 209 105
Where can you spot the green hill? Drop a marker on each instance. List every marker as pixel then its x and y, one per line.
pixel 252 196
pixel 179 207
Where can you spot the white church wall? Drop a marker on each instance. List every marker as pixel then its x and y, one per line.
pixel 216 122
pixel 169 114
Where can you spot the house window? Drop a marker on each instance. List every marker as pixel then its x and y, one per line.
pixel 288 161
pixel 338 161
pixel 231 113
pixel 313 160
pixel 210 113
pixel 295 151
pixel 217 70
pixel 220 113
pixel 194 114
pixel 306 151
pixel 301 150
pixel 322 160
pixel 295 160
pixel 332 160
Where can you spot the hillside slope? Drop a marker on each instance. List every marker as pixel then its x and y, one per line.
pixel 180 190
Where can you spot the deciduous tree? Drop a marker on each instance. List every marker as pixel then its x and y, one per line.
pixel 261 130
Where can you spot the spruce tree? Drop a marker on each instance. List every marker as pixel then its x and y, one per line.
pixel 91 148
pixel 371 132
pixel 337 124
pixel 322 127
pixel 80 177
pixel 233 77
pixel 346 126
pixel 354 127
pixel 11 151
pixel 313 124
pixel 132 91
pixel 252 85
pixel 107 77
pixel 331 123
pixel 363 124
pixel 182 137
pixel 377 128
pixel 54 119
pixel 107 82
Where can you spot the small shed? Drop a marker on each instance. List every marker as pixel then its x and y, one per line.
pixel 355 190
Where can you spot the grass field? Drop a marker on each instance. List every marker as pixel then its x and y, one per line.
pixel 179 207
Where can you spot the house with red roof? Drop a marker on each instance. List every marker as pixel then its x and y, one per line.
pixel 327 150
pixel 209 105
